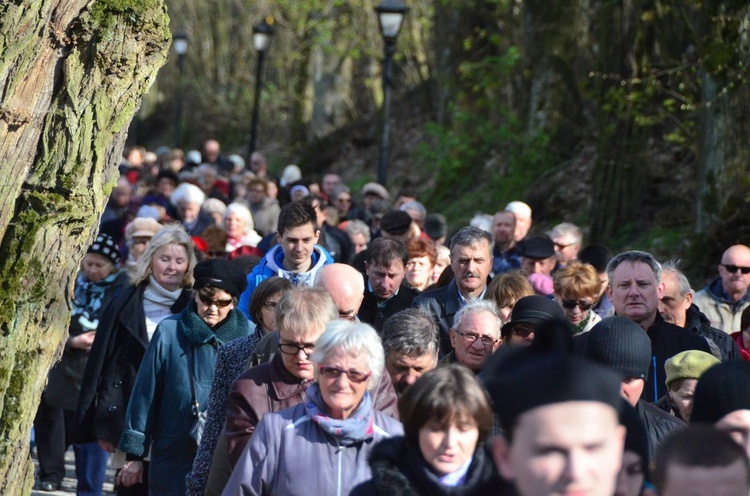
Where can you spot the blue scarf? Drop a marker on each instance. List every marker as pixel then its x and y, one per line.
pixel 87 300
pixel 356 428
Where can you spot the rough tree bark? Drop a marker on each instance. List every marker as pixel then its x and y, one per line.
pixel 72 74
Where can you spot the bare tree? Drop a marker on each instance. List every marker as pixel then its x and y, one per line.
pixel 72 74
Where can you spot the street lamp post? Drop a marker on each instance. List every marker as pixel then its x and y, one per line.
pixel 180 46
pixel 390 15
pixel 262 33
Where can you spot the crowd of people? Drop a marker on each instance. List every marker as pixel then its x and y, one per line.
pixel 237 333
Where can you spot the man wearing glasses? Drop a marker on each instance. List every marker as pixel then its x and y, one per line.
pixel 475 335
pixel 724 299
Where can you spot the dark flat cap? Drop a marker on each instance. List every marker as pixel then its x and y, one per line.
pixel 537 247
pixel 395 222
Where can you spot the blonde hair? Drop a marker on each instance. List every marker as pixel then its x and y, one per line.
pixel 171 234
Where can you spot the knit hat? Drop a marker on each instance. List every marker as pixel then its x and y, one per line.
pixel 220 273
pixel 528 379
pixel 142 227
pixel 722 389
pixel 375 189
pixel 689 365
pixel 537 247
pixel 533 310
pixel 105 246
pixel 395 222
pixel 620 344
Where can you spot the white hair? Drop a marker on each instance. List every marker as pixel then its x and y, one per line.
pixel 291 174
pixel 214 206
pixel 243 213
pixel 187 193
pixel 351 338
pixel 519 209
pixel 478 306
pixel 567 230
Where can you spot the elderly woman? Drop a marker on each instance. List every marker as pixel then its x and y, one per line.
pixel 174 380
pixel 238 224
pixel 505 290
pixel 421 263
pixel 188 200
pixel 683 371
pixel 156 291
pixel 335 425
pixel 359 234
pixel 447 418
pixel 576 290
pixel 138 234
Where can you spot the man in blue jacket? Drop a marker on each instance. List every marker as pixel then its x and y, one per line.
pixel 296 257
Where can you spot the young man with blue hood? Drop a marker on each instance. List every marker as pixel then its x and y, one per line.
pixel 296 257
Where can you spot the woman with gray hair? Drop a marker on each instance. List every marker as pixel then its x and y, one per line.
pixel 156 291
pixel 336 423
pixel 238 224
pixel 188 200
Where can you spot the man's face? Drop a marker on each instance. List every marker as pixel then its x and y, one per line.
pixel 737 425
pixel 503 226
pixel 672 305
pixel 330 181
pixel 385 280
pixel 212 150
pixel 188 211
pixel 542 266
pixel 566 249
pixel 468 339
pixel 635 292
pixel 258 165
pixel 297 244
pixel 471 266
pixel 734 281
pixel 522 228
pixel 405 370
pixel 572 448
pixel 631 389
pixel 729 480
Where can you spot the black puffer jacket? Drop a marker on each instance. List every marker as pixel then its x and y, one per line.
pixel 722 345
pixel 398 469
pixel 658 423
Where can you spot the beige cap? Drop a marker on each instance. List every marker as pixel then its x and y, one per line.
pixel 142 227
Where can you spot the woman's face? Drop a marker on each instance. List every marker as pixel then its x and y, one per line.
pixel 505 310
pixel 268 313
pixel 166 186
pixel 296 350
pixel 212 309
pixel 682 398
pixel 341 394
pixel 359 242
pixel 576 310
pixel 273 190
pixel 419 272
pixel 630 478
pixel 234 226
pixel 446 447
pixel 96 267
pixel 438 269
pixel 169 266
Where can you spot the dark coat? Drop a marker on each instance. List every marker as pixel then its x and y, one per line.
pixel 337 243
pixel 722 345
pixel 369 312
pixel 658 423
pixel 115 357
pixel 667 340
pixel 443 303
pixel 398 469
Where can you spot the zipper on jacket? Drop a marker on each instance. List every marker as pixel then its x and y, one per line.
pixel 653 364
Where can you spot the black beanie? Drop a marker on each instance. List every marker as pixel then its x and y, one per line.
pixel 620 344
pixel 220 273
pixel 105 246
pixel 721 390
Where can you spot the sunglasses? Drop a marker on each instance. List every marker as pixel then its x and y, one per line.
pixel 355 376
pixel 571 304
pixel 219 303
pixel 734 268
pixel 521 331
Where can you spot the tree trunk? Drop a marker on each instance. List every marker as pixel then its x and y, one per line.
pixel 72 74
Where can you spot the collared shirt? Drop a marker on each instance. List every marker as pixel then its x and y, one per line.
pixel 464 301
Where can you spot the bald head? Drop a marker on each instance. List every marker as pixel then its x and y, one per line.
pixel 734 281
pixel 345 284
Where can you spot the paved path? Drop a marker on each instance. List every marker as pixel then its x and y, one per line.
pixel 69 483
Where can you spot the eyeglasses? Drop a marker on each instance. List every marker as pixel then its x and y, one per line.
pixel 571 304
pixel 270 305
pixel 734 268
pixel 344 200
pixel 470 337
pixel 294 349
pixel 219 303
pixel 355 376
pixel 522 331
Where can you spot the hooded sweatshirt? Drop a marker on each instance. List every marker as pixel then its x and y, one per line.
pixel 273 265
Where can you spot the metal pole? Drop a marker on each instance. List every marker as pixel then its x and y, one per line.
pixel 178 105
pixel 256 105
pixel 390 50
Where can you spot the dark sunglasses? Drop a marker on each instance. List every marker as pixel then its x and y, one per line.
pixel 734 268
pixel 571 304
pixel 521 331
pixel 219 303
pixel 334 373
